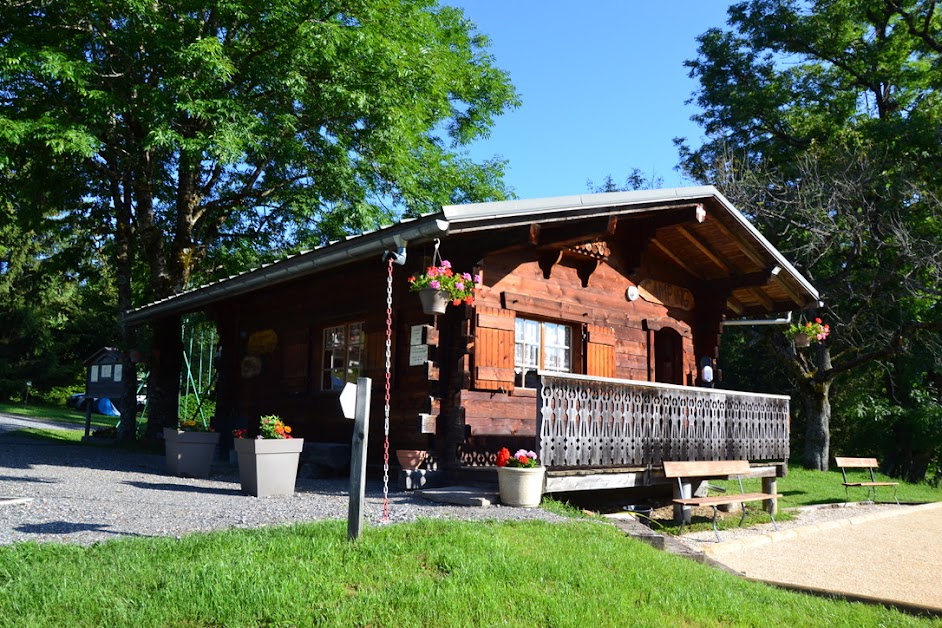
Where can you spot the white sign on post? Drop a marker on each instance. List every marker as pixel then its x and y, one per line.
pixel 348 400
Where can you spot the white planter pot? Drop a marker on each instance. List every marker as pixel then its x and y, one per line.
pixel 189 454
pixel 521 487
pixel 268 466
pixel 433 301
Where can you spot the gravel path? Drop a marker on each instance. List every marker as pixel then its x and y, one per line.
pixel 72 494
pixel 887 553
pixel 807 516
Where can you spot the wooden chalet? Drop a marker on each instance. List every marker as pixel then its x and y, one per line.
pixel 585 342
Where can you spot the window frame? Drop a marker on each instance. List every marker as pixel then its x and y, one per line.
pixel 570 351
pixel 327 369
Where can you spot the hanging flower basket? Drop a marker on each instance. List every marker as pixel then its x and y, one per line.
pixel 805 334
pixel 439 285
pixel 433 301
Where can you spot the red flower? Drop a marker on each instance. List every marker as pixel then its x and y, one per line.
pixel 502 457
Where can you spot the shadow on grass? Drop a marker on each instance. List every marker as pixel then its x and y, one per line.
pixel 71 527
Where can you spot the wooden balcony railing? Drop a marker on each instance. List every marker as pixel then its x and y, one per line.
pixel 599 422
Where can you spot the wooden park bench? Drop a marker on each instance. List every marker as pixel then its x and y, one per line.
pixel 863 463
pixel 701 470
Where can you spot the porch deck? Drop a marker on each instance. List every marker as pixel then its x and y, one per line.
pixel 609 433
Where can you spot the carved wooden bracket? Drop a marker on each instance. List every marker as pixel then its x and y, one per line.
pixel 588 257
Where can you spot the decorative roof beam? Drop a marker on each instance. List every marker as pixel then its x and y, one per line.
pixel 675 259
pixel 704 248
pixel 735 305
pixel 570 233
pixel 788 289
pixel 746 248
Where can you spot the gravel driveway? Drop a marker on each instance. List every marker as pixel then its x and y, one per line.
pixel 79 494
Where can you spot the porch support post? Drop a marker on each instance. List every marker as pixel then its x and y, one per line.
pixel 769 485
pixel 682 490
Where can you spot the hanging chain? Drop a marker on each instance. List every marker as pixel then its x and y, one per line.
pixel 389 287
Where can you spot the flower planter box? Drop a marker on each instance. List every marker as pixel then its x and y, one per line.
pixel 802 340
pixel 268 466
pixel 521 486
pixel 411 458
pixel 189 454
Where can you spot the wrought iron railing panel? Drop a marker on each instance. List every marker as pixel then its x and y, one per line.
pixel 601 422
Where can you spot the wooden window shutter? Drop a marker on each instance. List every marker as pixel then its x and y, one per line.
pixel 600 351
pixel 493 349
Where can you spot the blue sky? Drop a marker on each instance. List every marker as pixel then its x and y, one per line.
pixel 603 88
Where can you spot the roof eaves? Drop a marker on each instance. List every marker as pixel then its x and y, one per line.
pixel 330 255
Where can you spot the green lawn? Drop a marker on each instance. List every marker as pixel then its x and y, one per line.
pixel 56 413
pixel 429 573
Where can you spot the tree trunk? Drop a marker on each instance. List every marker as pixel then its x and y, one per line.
pixel 816 400
pixel 163 385
pixel 124 257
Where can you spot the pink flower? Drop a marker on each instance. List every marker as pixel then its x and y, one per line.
pixel 434 284
pixel 459 285
pixel 477 279
pixel 466 276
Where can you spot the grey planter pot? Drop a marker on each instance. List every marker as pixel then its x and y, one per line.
pixel 268 466
pixel 189 454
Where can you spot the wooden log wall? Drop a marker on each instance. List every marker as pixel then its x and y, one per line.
pixel 283 373
pixel 611 334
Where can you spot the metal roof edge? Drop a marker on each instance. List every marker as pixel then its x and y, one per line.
pixel 774 252
pixel 456 214
pixel 328 256
pixel 532 208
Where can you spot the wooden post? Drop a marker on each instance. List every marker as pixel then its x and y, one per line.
pixel 88 415
pixel 682 511
pixel 361 426
pixel 770 485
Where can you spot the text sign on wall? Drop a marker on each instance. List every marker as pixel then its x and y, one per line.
pixel 418 355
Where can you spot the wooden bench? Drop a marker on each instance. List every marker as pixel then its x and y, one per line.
pixel 701 470
pixel 863 463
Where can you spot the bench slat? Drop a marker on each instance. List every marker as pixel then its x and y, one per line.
pixel 726 499
pixel 704 468
pixel 858 463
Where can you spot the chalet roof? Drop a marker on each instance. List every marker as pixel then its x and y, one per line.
pixel 719 245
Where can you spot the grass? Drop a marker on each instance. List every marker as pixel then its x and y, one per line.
pixel 71 437
pixel 428 573
pixel 55 413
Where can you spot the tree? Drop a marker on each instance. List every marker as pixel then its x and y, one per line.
pixel 194 128
pixel 822 121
